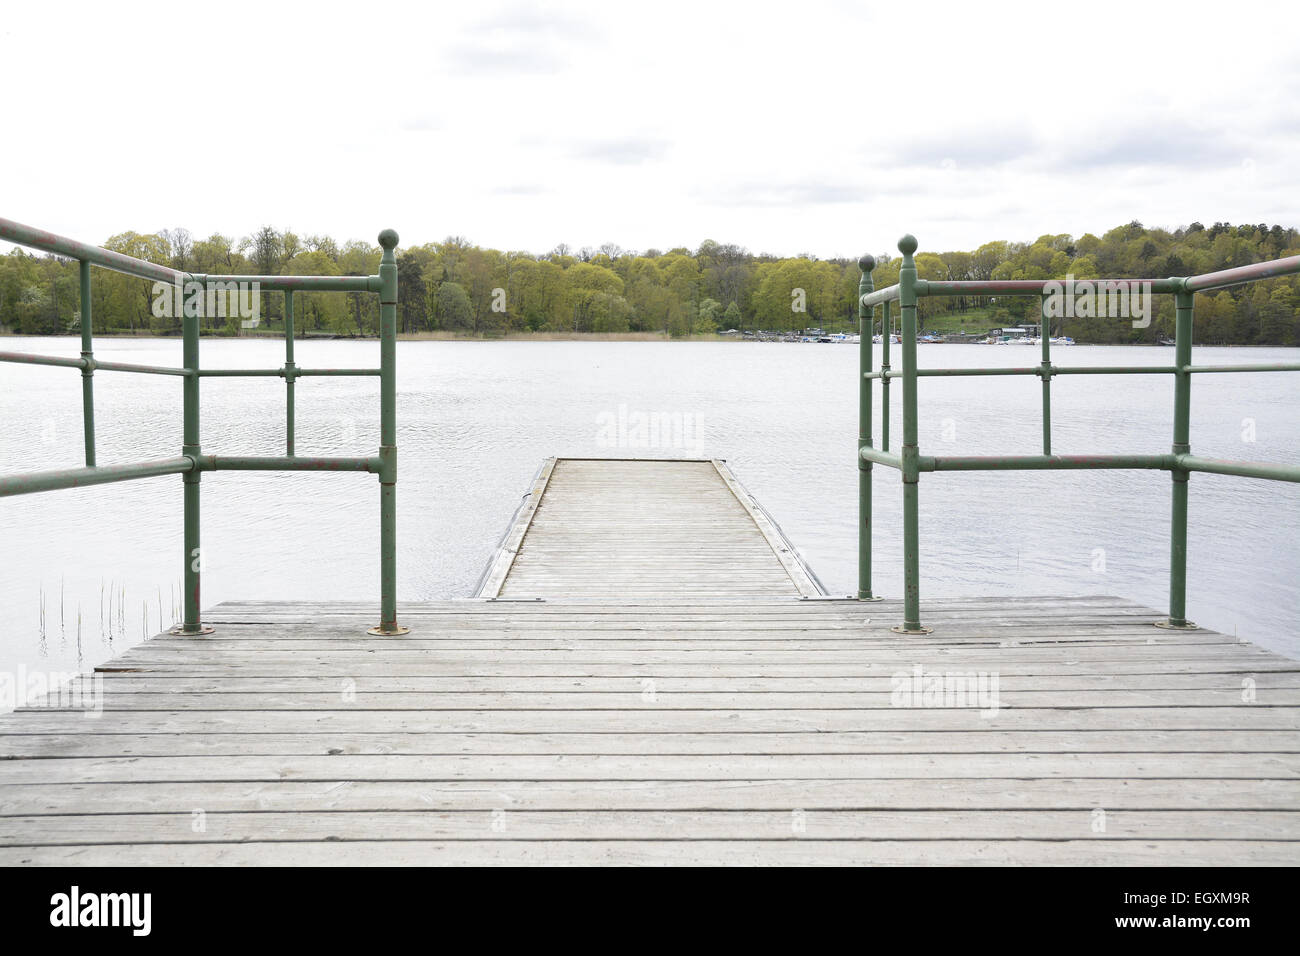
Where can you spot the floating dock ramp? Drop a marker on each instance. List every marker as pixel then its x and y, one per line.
pixel 610 528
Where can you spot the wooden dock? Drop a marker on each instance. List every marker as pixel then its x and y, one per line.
pixel 626 528
pixel 757 728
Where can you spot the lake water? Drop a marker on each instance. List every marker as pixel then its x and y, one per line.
pixel 476 419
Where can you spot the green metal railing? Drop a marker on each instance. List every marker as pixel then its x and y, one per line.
pixel 191 463
pixel 1180 462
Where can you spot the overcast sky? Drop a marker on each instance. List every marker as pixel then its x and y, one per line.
pixel 808 126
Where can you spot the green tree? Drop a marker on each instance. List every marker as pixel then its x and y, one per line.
pixel 454 309
pixel 731 318
pixel 709 316
pixel 583 282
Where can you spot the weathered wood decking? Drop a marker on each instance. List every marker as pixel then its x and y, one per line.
pixel 667 731
pixel 627 528
pixel 665 692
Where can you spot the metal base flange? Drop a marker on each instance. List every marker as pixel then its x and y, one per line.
pixel 902 629
pixel 379 630
pixel 179 630
pixel 1168 625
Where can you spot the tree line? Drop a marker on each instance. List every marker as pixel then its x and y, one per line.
pixel 457 286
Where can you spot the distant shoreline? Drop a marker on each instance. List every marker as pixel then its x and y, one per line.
pixel 543 337
pixel 405 336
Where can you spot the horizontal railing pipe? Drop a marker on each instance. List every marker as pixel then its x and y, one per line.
pixel 1241 274
pixel 880 297
pixel 955 372
pixel 298 283
pixel 98 475
pixel 35 238
pixel 240 372
pixel 281 372
pixel 1201 283
pixel 1031 370
pixel 878 457
pixel 286 463
pixel 97 365
pixel 1242 469
pixel 1275 367
pixel 26 358
pixel 1113 370
pixel 1044 462
pixel 945 287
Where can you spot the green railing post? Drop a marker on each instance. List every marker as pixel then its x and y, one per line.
pixel 885 321
pixel 1045 333
pixel 88 368
pixel 865 313
pixel 910 454
pixel 388 438
pixel 289 372
pixel 191 448
pixel 1182 446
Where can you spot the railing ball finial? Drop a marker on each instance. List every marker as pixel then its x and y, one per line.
pixel 388 239
pixel 867 263
pixel 907 245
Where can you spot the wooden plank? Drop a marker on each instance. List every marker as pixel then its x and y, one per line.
pixel 265 743
pixel 933 793
pixel 1027 633
pixel 1137 720
pixel 296 682
pixel 649 655
pixel 668 606
pixel 725 638
pixel 977 696
pixel 657 767
pixel 491 823
pixel 469 606
pixel 1097 673
pixel 789 851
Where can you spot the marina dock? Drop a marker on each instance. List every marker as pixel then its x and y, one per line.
pixel 586 714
